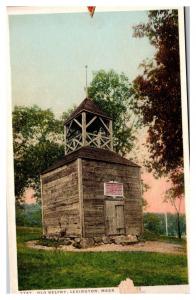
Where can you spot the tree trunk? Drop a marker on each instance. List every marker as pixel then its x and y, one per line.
pixel 178 226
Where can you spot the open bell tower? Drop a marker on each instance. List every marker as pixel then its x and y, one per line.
pixel 88 126
pixel 92 195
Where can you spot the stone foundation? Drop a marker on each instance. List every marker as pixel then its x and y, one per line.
pixel 82 243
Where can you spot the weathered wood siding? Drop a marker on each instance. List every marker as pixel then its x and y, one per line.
pixel 94 176
pixel 60 201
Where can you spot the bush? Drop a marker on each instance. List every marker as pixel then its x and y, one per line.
pixel 29 215
pixel 152 223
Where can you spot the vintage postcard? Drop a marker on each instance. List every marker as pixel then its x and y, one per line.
pixel 98 199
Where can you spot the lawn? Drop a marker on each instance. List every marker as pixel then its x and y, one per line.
pixel 149 236
pixel 40 269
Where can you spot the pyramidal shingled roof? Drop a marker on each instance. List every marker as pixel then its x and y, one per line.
pixel 87 105
pixel 91 153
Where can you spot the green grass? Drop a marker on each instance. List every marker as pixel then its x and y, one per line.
pixel 25 234
pixel 40 269
pixel 150 236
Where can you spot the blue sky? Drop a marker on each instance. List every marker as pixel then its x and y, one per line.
pixel 49 53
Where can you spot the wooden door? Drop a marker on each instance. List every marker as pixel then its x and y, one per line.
pixel 114 216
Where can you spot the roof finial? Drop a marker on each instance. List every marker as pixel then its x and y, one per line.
pixel 86 81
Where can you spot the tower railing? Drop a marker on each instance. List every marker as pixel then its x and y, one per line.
pixel 96 132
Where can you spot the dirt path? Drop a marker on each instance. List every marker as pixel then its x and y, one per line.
pixel 149 246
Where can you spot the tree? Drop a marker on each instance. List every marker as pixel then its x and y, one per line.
pixel 172 228
pixel 29 215
pixel 155 222
pixel 112 93
pixel 38 142
pixel 157 93
pixel 152 223
pixel 174 195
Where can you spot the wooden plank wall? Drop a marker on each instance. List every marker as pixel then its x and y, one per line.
pixel 94 176
pixel 60 200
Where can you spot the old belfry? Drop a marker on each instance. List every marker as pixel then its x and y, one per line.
pixel 93 195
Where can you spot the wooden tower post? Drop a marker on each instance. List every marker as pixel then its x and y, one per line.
pixel 88 126
pixel 83 128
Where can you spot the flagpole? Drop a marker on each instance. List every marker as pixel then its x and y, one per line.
pixel 166 224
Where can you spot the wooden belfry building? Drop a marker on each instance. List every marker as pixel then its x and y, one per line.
pixel 93 194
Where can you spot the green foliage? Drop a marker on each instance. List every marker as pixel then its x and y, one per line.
pixel 155 223
pixel 28 215
pixel 152 223
pixel 40 269
pixel 111 92
pixel 174 195
pixel 38 142
pixel 157 93
pixel 177 225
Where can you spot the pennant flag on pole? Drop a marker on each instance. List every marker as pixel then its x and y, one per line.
pixel 91 10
